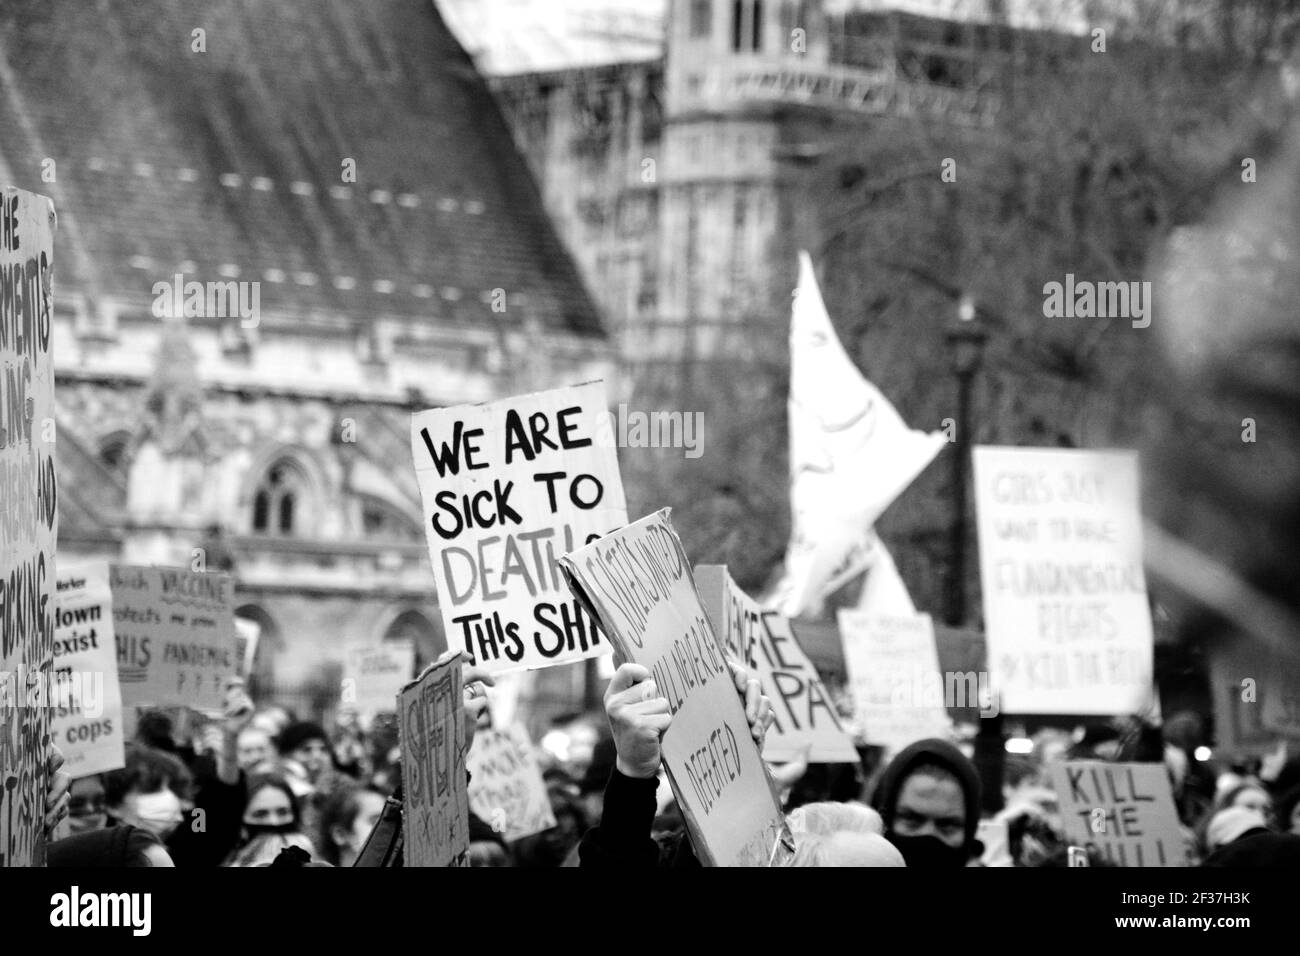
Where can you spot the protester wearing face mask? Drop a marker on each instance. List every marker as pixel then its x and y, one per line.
pixel 929 799
pixel 149 792
pixel 87 810
pixel 272 821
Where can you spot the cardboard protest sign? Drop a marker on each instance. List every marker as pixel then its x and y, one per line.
pixel 894 678
pixel 1065 597
pixel 765 643
pixel 175 632
pixel 374 674
pixel 637 582
pixel 505 787
pixel 87 721
pixel 29 519
pixel 508 487
pixel 247 634
pixel 431 728
pixel 1126 810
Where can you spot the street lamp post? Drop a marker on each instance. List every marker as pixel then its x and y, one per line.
pixel 966 342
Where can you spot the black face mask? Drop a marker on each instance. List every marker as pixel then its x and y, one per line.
pixel 928 852
pixel 255 830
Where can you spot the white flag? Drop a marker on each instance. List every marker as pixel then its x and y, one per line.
pixel 883 590
pixel 851 455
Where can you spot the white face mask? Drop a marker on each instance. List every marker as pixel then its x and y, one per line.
pixel 159 813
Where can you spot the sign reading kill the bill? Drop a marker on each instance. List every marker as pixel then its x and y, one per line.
pixel 87 719
pixel 508 487
pixel 1065 596
pixel 1125 809
pixel 638 583
pixel 175 632
pixel 505 784
pixel 431 728
pixel 805 717
pixel 29 520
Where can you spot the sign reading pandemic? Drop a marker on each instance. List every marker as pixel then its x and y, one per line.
pixel 897 688
pixel 29 512
pixel 1126 810
pixel 87 720
pixel 508 487
pixel 505 784
pixel 175 632
pixel 1065 596
pixel 638 583
pixel 431 728
pixel 805 717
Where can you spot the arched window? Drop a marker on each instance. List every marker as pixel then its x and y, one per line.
pixel 413 626
pixel 277 499
pixel 381 520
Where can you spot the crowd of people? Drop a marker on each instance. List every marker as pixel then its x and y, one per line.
pixel 262 788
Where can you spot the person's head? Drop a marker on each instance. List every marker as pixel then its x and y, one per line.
pixel 118 846
pixel 155 729
pixel 845 848
pixel 929 799
pixel 271 720
pixel 827 817
pixel 1288 811
pixel 149 792
pixel 346 820
pixel 1230 824
pixel 488 848
pixel 253 749
pixel 307 744
pixel 1251 796
pixel 271 808
pixel 86 807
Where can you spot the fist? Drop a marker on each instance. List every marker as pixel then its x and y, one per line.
pixel 237 707
pixel 638 717
pixel 476 703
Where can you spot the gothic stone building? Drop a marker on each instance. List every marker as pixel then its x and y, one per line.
pixel 345 168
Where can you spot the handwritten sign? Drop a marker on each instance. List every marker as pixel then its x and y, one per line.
pixel 894 678
pixel 1126 810
pixel 29 520
pixel 374 674
pixel 638 583
pixel 431 726
pixel 175 632
pixel 87 720
pixel 765 643
pixel 1065 597
pixel 508 487
pixel 505 784
pixel 247 634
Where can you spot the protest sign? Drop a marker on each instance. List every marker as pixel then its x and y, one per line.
pixel 1065 597
pixel 30 519
pixel 637 582
pixel 1126 810
pixel 374 674
pixel 894 678
pixel 87 721
pixel 247 634
pixel 505 784
pixel 175 632
pixel 765 643
pixel 431 727
pixel 508 487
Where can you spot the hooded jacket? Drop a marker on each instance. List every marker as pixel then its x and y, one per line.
pixel 942 754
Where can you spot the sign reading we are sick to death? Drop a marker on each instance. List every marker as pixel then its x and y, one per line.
pixel 87 701
pixel 764 641
pixel 1126 810
pixel 431 731
pixel 1065 596
pixel 638 583
pixel 29 518
pixel 508 487
pixel 175 633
